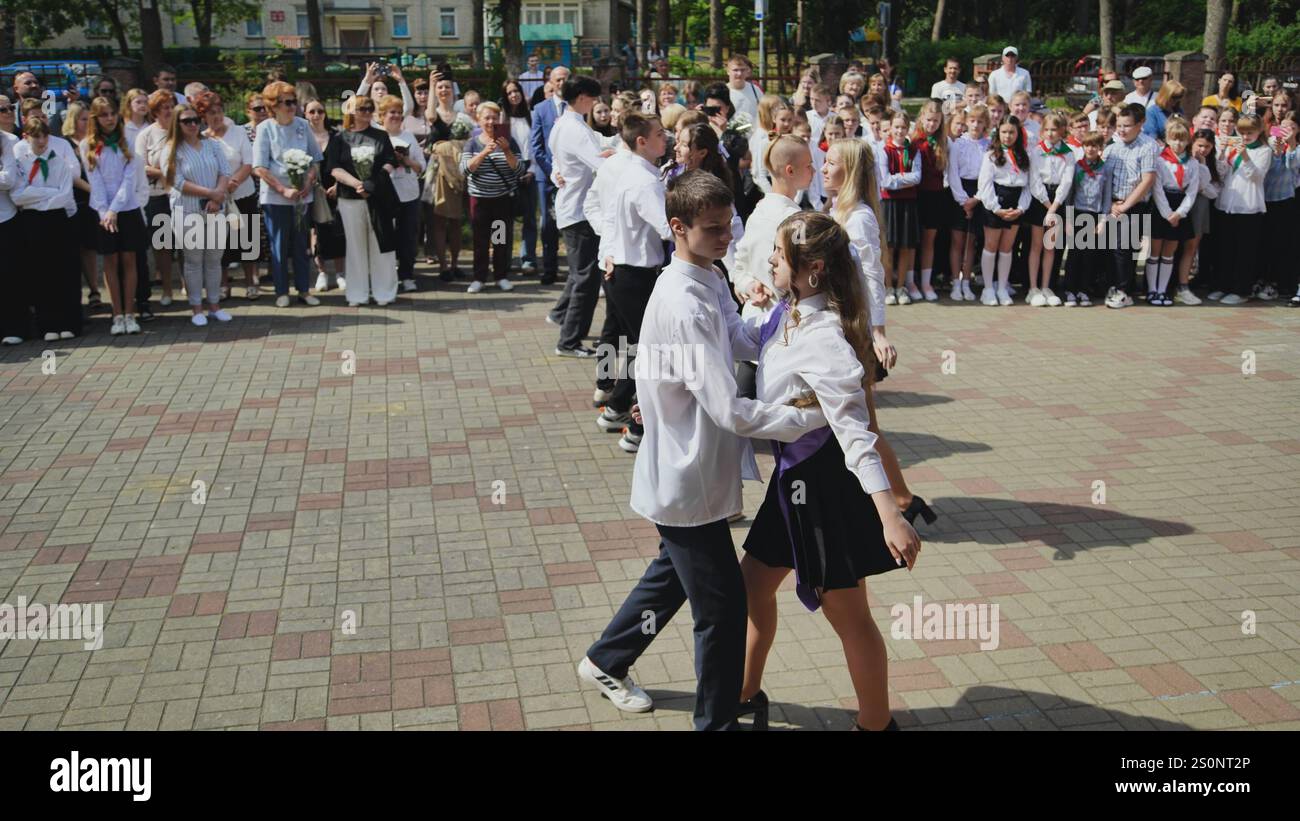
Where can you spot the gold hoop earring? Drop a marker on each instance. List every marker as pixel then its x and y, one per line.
pixel 813 281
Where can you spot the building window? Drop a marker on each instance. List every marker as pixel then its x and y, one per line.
pixel 401 23
pixel 447 21
pixel 537 14
pixel 304 24
pixel 253 28
pixel 96 29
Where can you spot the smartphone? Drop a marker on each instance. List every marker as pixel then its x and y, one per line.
pixel 1278 132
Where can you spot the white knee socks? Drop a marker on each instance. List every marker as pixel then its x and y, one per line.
pixel 988 265
pixel 1004 271
pixel 1166 271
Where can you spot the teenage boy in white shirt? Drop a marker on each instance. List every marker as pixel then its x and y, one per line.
pixel 687 473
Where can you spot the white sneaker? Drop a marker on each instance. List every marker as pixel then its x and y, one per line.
pixel 989 295
pixel 166 301
pixel 600 397
pixel 956 294
pixel 1053 301
pixel 1233 299
pixel 625 694
pixel 252 292
pixel 1115 298
pixel 474 287
pixel 220 315
pixel 1185 296
pixel 930 295
pixel 891 296
pixel 342 282
pixel 966 290
pixel 1264 291
pixel 1004 297
pixel 308 299
pixel 914 294
pixel 198 320
pixel 282 301
pixel 1215 296
pixel 1085 301
pixel 11 340
pixel 132 327
pixel 407 285
pixel 505 284
pixel 52 336
pixel 903 297
pixel 1036 298
pixel 1069 299
pixel 119 326
pixel 322 282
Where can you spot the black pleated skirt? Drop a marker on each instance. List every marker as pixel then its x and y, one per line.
pixel 1160 227
pixel 836 530
pixel 902 226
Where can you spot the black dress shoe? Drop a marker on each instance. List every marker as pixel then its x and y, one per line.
pixel 145 314
pixel 548 279
pixel 918 507
pixel 757 707
pixel 890 727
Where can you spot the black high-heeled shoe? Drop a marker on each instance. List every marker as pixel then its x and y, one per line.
pixel 918 507
pixel 757 707
pixel 891 726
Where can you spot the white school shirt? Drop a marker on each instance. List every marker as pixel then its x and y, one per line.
pixel 575 156
pixel 149 144
pixel 965 157
pixel 756 246
pixel 405 181
pixel 114 182
pixel 687 470
pixel 903 179
pixel 1243 187
pixel 1208 187
pixel 46 193
pixel 1006 174
pixel 864 238
pixel 132 132
pixel 601 192
pixel 8 175
pixel 1167 180
pixel 814 356
pixel 238 152
pixel 1048 169
pixel 757 169
pixel 634 225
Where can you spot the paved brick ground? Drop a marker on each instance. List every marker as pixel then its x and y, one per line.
pixel 368 499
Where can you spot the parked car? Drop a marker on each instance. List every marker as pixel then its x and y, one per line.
pixel 1087 74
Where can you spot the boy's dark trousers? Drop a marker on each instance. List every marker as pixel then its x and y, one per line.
pixel 696 564
pixel 628 293
pixel 1082 264
pixel 1123 259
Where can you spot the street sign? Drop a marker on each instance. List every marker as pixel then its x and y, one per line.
pixel 760 8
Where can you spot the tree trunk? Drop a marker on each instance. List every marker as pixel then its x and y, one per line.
pixel 476 35
pixel 715 32
pixel 151 37
pixel 683 36
pixel 111 14
pixel 1215 44
pixel 1236 14
pixel 662 24
pixel 8 37
pixel 316 31
pixel 202 10
pixel 936 31
pixel 1106 19
pixel 638 33
pixel 511 47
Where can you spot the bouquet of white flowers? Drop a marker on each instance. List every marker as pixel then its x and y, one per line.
pixel 740 124
pixel 297 163
pixel 363 160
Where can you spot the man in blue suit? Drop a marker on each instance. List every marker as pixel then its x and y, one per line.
pixel 544 117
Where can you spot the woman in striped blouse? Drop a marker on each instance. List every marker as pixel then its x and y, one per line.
pixel 491 164
pixel 196 173
pixel 115 173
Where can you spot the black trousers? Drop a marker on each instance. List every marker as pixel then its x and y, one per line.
pixel 696 564
pixel 16 307
pixel 1123 258
pixel 54 265
pixel 1082 265
pixel 1280 262
pixel 628 293
pixel 1238 265
pixel 576 307
pixel 606 367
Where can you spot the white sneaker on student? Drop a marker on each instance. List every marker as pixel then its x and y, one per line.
pixel 1036 298
pixel 11 340
pixel 612 421
pixel 1004 297
pixel 625 694
pixel 52 336
pixel 282 301
pixel 342 282
pixel 308 299
pixel 474 287
pixel 1085 301
pixel 1215 296
pixel 913 293
pixel 989 295
pixel 1053 301
pixel 930 295
pixel 119 326
pixel 198 320
pixel 407 285
pixel 956 294
pixel 1185 296
pixel 132 327
pixel 630 442
pixel 903 297
pixel 966 290
pixel 166 301
pixel 891 296
pixel 1069 299
pixel 322 281
pixel 600 397
pixel 505 284
pixel 220 315
pixel 1233 299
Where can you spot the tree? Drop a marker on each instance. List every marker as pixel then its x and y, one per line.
pixel 210 17
pixel 511 47
pixel 1215 44
pixel 715 32
pixel 937 31
pixel 476 35
pixel 661 23
pixel 1107 28
pixel 151 37
pixel 316 48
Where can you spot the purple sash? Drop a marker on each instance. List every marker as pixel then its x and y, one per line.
pixel 787 456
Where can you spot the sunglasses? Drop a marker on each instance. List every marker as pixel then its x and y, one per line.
pixel 257 108
pixel 364 109
pixel 189 120
pixel 6 109
pixel 289 101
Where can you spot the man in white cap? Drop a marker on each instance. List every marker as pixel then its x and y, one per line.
pixel 1141 93
pixel 1011 77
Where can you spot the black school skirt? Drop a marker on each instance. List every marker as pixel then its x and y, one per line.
pixel 132 235
pixel 1160 227
pixel 836 532
pixel 902 228
pixel 959 221
pixel 933 208
pixel 1008 197
pixel 1036 214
